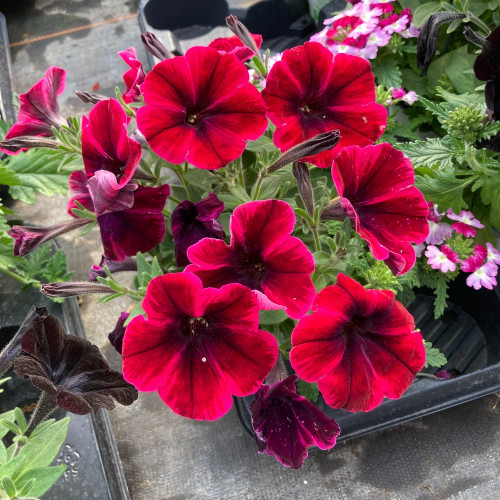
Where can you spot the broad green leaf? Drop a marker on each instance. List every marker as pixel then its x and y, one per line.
pixel 433 356
pixel 240 193
pixel 428 153
pixel 40 451
pixel 479 7
pixel 44 478
pixel 38 172
pixel 490 194
pixel 489 130
pixel 11 426
pixel 10 416
pixel 136 311
pixel 444 189
pixel 272 317
pixel 7 176
pixel 424 11
pixel 309 391
pixel 3 453
pixel 435 108
pixel 263 143
pixel 387 72
pixel 8 487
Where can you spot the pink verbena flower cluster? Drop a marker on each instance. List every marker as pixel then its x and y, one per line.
pixel 482 264
pixel 366 26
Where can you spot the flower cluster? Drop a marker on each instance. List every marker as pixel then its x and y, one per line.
pixel 363 28
pixel 482 263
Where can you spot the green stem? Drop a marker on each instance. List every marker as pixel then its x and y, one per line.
pixel 314 229
pixel 14 275
pixel 259 184
pixel 180 175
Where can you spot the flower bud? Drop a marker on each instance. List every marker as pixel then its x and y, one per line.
pixel 241 31
pixel 90 97
pixel 72 288
pixel 27 142
pixel 333 211
pixel 301 173
pixel 316 145
pixel 155 47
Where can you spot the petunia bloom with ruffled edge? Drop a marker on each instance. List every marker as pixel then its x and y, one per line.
pixel 200 108
pixel 286 424
pixel 376 190
pixel 130 218
pixel 70 370
pixel 38 108
pixel 105 143
pixel 198 347
pixel 310 92
pixel 262 256
pixel 234 46
pixel 466 222
pixel 359 345
pixel 191 222
pixel 444 259
pixel 78 185
pixel 134 77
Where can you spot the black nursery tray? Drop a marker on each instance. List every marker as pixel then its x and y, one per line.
pixel 93 464
pixel 469 336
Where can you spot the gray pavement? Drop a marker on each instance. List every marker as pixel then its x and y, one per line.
pixel 453 454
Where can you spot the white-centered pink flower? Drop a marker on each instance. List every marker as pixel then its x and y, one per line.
pixel 397 26
pixel 445 259
pixel 439 232
pixel 410 97
pixel 378 37
pixel 466 222
pixel 483 274
pixel 493 254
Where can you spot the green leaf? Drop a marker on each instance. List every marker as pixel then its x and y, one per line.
pixel 7 176
pixel 263 143
pixel 490 194
pixel 433 356
pixel 428 153
pixel 444 189
pixel 20 419
pixel 3 453
pixel 44 478
pixel 424 11
pixel 240 193
pixel 11 426
pixel 441 295
pixel 9 487
pixel 387 72
pixel 38 172
pixel 10 416
pixel 479 7
pixel 272 317
pixel 489 130
pixel 41 450
pixel 23 492
pixel 309 391
pixel 435 108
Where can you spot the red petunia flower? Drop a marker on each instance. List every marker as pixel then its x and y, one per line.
pixel 39 109
pixel 134 77
pixel 105 143
pixel 130 218
pixel 234 46
pixel 376 190
pixel 359 345
pixel 286 424
pixel 200 108
pixel 309 92
pixel 78 185
pixel 262 256
pixel 198 346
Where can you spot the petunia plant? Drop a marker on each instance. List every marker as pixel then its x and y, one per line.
pixel 274 231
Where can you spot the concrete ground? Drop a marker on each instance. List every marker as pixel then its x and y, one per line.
pixel 453 454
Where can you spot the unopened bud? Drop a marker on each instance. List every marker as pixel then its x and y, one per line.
pixel 474 37
pixel 90 97
pixel 27 142
pixel 241 31
pixel 155 47
pixel 301 173
pixel 311 147
pixel 72 288
pixel 334 210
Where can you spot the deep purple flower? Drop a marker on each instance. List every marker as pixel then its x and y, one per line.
pixel 191 222
pixel 27 238
pixel 286 424
pixel 70 370
pixel 116 336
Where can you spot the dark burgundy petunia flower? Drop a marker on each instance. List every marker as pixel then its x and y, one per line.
pixel 310 92
pixel 13 348
pixel 262 256
pixel 70 370
pixel 129 264
pixel 27 238
pixel 38 108
pixel 191 222
pixel 200 108
pixel 130 218
pixel 286 424
pixel 105 143
pixel 198 346
pixel 78 185
pixel 134 77
pixel 375 186
pixel 359 345
pixel 234 46
pixel 116 336
pixel 487 64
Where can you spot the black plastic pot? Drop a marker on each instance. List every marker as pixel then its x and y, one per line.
pixel 89 452
pixel 469 336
